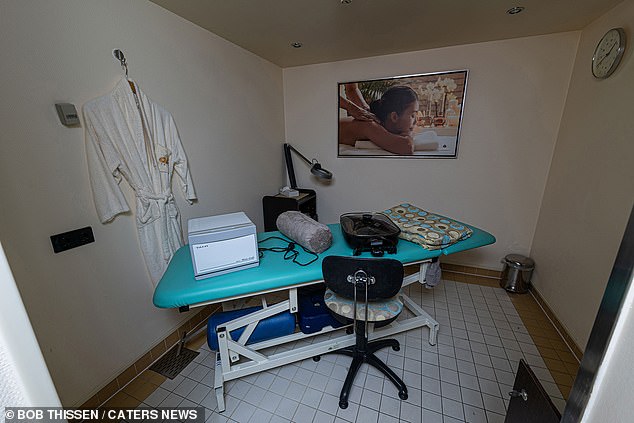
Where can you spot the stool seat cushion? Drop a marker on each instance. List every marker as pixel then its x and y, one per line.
pixel 377 310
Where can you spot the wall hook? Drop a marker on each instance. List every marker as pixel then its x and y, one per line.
pixel 118 54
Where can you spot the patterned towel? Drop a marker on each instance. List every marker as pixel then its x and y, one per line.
pixel 429 230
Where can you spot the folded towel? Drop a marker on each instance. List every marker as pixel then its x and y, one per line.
pixel 430 230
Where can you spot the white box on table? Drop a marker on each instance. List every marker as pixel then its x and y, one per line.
pixel 222 244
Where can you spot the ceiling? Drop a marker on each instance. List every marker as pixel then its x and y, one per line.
pixel 330 30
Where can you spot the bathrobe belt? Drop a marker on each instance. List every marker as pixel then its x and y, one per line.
pixel 156 206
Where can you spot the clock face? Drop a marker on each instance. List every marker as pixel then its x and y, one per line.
pixel 608 53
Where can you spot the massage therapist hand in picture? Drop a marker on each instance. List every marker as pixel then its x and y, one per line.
pixel 396 113
pixel 355 104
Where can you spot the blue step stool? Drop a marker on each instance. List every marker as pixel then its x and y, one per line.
pixel 272 327
pixel 313 314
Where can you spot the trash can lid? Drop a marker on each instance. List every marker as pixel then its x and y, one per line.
pixel 517 260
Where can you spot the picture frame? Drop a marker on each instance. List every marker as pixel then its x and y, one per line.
pixel 410 116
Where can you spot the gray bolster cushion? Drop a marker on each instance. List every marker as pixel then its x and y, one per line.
pixel 305 231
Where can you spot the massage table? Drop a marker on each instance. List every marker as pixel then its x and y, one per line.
pixel 235 358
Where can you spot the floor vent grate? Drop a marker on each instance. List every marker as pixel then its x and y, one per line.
pixel 170 365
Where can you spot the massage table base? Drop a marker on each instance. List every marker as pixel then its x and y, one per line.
pixel 235 359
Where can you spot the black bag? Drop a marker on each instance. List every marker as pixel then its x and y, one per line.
pixel 373 232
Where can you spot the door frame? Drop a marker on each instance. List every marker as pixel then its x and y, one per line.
pixel 603 328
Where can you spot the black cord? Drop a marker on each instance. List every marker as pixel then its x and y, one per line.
pixel 290 253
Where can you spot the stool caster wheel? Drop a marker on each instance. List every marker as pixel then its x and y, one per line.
pixel 402 395
pixel 343 404
pixel 396 348
pixel 316 358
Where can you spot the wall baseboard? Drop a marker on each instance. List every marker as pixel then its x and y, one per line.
pixel 578 352
pixel 470 274
pixel 156 352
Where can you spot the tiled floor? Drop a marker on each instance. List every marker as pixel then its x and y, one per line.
pixel 464 378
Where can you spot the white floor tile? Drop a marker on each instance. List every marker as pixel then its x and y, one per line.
pixel 462 354
pixel 319 381
pixel 322 417
pixel 311 397
pixel 446 362
pixel 279 385
pixel 349 414
pixel 156 397
pixel 261 416
pixel 185 387
pixel 390 405
pixel 489 387
pixel 384 418
pixel 450 391
pixel 474 414
pixel 271 401
pixel 295 391
pixel 412 380
pixel 464 377
pixel 255 395
pixel 495 417
pixel 468 381
pixel 452 408
pixel 199 392
pixel 450 376
pixel 172 400
pixel 409 413
pixel 287 408
pixel 431 385
pixel 432 402
pixel 201 373
pixel 210 401
pixel 366 414
pixel 239 389
pixel 171 384
pixel 466 367
pixel 472 397
pixel 431 416
pixel 494 404
pixel 243 412
pixel 374 383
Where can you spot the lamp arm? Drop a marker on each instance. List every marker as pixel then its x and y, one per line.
pixel 308 162
pixel 289 165
pixel 315 167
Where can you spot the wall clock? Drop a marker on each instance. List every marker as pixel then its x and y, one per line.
pixel 608 53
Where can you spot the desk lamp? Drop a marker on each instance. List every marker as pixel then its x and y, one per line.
pixel 305 201
pixel 315 167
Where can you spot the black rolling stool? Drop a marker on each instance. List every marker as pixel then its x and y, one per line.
pixel 364 291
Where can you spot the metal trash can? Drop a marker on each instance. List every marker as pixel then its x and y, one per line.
pixel 517 272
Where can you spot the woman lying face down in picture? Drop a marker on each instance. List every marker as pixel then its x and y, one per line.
pixel 389 123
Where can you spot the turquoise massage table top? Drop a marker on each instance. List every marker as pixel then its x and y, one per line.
pixel 179 288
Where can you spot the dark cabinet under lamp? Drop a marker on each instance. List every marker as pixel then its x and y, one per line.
pixel 274 205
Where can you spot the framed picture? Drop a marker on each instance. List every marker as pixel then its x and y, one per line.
pixel 413 116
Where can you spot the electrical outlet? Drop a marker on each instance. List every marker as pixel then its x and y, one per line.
pixel 72 239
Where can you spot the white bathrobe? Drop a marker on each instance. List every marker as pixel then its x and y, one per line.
pixel 137 140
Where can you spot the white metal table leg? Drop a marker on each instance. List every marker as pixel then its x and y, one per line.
pixel 219 387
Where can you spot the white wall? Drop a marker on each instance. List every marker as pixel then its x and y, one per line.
pixel 515 97
pixel 589 193
pixel 91 307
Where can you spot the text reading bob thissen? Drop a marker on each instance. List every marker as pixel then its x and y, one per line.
pixel 52 414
